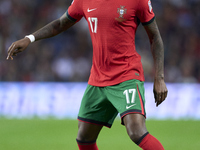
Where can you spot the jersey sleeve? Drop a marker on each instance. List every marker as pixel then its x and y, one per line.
pixel 75 11
pixel 145 12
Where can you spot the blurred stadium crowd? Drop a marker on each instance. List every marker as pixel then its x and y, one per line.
pixel 68 56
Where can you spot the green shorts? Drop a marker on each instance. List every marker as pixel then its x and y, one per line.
pixel 100 105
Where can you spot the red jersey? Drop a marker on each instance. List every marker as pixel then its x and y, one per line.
pixel 113 25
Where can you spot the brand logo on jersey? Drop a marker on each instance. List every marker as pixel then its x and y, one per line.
pixel 89 10
pixel 150 6
pixel 121 11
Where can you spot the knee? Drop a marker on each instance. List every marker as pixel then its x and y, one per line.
pixel 135 136
pixel 136 130
pixel 135 126
pixel 136 133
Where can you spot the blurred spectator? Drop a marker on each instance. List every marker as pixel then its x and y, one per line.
pixel 68 56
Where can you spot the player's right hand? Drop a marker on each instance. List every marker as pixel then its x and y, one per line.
pixel 17 47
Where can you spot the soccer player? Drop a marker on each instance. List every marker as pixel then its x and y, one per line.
pixel 116 82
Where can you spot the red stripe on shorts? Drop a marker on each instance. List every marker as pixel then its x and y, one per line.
pixel 141 101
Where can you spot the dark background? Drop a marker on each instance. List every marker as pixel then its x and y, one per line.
pixel 68 56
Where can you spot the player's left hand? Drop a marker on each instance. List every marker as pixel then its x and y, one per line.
pixel 160 91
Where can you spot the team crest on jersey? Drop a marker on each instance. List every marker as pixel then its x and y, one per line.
pixel 121 11
pixel 150 6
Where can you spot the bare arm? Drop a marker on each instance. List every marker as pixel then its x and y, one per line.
pixel 50 30
pixel 53 28
pixel 157 49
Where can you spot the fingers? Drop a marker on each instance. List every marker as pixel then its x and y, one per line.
pixel 12 51
pixel 160 97
pixel 17 47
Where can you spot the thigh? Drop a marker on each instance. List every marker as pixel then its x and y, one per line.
pixel 128 97
pixel 95 107
pixel 135 122
pixel 88 132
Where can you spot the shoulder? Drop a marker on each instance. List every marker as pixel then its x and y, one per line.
pixel 144 4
